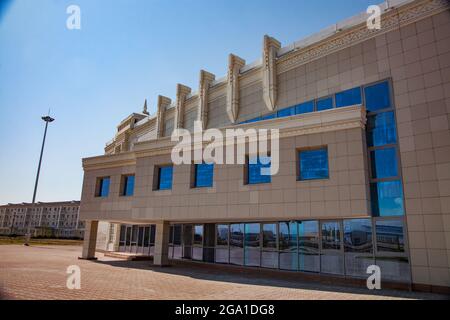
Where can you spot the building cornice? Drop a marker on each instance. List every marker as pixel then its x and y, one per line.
pixel 391 20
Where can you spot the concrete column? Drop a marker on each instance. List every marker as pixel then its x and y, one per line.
pixel 90 240
pixel 161 257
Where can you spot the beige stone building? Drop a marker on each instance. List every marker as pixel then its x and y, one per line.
pixel 56 219
pixel 363 116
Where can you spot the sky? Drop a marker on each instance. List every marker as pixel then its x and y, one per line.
pixel 125 52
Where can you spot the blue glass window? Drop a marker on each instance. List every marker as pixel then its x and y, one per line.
pixel 387 198
pixel 268 116
pixel 286 112
pixel 348 98
pixel 313 164
pixel 377 96
pixel 324 104
pixel 256 174
pixel 304 107
pixel 253 120
pixel 165 177
pixel 204 175
pixel 103 187
pixel 381 129
pixel 128 185
pixel 383 163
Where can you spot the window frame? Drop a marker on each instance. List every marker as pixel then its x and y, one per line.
pixel 194 171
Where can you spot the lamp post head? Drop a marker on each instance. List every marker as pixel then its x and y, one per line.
pixel 47 119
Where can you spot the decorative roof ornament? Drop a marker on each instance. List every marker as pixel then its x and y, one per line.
pixel 234 65
pixel 270 48
pixel 145 111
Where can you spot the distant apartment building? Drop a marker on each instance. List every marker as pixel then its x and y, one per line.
pixel 363 117
pixel 51 219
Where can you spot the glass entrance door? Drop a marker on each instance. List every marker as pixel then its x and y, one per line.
pixel 187 241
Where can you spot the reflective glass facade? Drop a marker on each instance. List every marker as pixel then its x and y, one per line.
pixel 386 188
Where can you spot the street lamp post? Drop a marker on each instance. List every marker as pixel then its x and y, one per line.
pixel 47 120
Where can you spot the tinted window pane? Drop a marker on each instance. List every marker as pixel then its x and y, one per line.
pixel 390 236
pixel 255 171
pixel 313 164
pixel 387 198
pixel 288 236
pixel 304 107
pixel 348 97
pixel 104 187
pixel 237 243
pixel 269 236
pixel 252 244
pixel 286 112
pixel 324 104
pixel 237 235
pixel 268 116
pixel 308 246
pixel 198 234
pixel 288 245
pixel 331 235
pixel 358 235
pixel 128 186
pixel 165 178
pixel 377 97
pixel 204 175
pixel 384 163
pixel 222 235
pixel 381 129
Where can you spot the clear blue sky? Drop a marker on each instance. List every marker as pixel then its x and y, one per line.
pixel 126 51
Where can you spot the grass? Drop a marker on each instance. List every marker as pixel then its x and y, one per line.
pixel 40 241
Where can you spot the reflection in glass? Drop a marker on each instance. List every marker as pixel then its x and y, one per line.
pixel 358 246
pixel 286 112
pixel 237 243
pixel 377 96
pixel 252 244
pixel 288 245
pixel 222 241
pixel 390 236
pixel 255 172
pixel 308 246
pixel 197 249
pixel 269 256
pixel 381 129
pixel 324 104
pixel 383 163
pixel 204 173
pixel 391 255
pixel 304 107
pixel 387 198
pixel 348 98
pixel 313 164
pixel 331 235
pixel 165 178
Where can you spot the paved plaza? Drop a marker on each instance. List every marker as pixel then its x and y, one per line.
pixel 39 272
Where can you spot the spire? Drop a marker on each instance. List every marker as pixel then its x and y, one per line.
pixel 145 108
